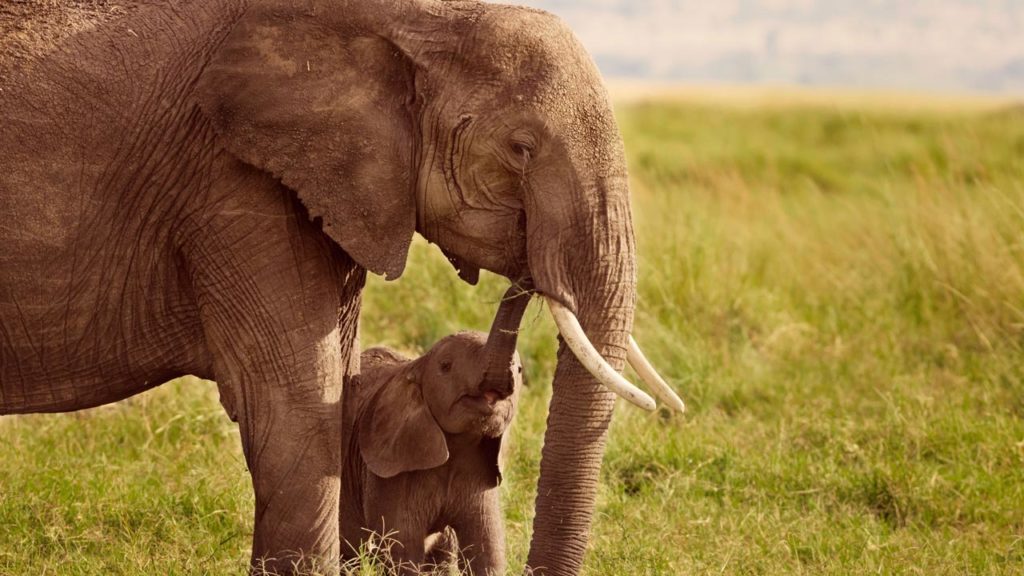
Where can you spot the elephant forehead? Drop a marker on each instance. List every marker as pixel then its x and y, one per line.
pixel 469 340
pixel 547 70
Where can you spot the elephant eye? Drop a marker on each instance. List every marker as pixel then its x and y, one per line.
pixel 522 150
pixel 446 365
pixel 523 145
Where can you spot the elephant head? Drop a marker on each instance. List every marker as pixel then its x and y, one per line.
pixel 423 402
pixel 487 129
pixel 466 386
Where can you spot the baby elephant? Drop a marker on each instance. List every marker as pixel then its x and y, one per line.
pixel 423 445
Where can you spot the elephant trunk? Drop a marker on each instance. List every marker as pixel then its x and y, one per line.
pixel 593 276
pixel 580 412
pixel 501 341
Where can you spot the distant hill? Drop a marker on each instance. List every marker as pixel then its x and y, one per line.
pixel 949 45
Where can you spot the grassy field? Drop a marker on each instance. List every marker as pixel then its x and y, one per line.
pixel 837 291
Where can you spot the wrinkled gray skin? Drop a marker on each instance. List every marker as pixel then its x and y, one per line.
pixel 422 450
pixel 198 187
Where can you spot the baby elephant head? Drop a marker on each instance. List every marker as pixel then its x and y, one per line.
pixel 463 390
pixel 460 399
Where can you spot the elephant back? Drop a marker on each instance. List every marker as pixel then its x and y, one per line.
pixel 379 357
pixel 30 30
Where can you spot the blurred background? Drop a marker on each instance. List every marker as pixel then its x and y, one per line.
pixel 946 45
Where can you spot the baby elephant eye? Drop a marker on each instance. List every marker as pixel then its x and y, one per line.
pixel 446 365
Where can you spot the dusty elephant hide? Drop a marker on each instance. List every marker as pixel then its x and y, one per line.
pixel 31 28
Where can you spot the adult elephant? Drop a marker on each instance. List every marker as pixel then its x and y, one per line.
pixel 198 187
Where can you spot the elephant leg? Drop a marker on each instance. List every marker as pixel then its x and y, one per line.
pixel 285 384
pixel 481 535
pixel 279 307
pixel 404 543
pixel 398 515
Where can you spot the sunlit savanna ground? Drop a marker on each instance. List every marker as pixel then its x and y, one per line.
pixel 835 286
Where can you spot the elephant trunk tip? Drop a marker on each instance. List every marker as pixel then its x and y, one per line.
pixel 499 386
pixel 500 366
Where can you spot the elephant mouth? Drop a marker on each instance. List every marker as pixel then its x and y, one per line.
pixel 486 402
pixel 469 273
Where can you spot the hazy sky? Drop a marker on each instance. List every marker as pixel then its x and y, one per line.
pixel 910 44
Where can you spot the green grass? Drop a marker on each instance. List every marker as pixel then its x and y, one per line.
pixel 837 293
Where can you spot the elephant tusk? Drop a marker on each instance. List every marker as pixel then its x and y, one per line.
pixel 589 357
pixel 648 374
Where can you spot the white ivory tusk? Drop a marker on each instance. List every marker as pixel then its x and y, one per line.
pixel 648 374
pixel 589 357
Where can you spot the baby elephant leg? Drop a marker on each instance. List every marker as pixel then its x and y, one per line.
pixel 397 523
pixel 405 549
pixel 481 536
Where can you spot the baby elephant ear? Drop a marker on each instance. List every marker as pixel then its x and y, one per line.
pixel 326 112
pixel 397 432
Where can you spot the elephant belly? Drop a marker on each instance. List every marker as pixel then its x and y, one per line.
pixel 93 307
pixel 91 327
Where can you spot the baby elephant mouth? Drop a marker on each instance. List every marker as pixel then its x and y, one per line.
pixel 486 401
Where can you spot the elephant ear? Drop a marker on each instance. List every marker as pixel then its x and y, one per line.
pixel 397 432
pixel 325 111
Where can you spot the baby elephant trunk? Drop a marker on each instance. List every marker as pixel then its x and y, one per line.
pixel 500 349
